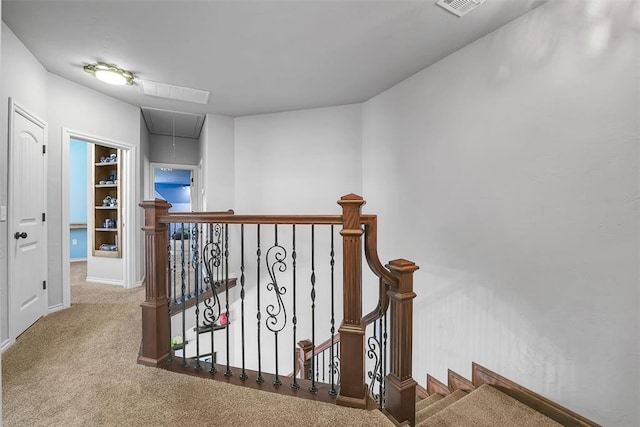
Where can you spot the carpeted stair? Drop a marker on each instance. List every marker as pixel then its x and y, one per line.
pixel 485 406
pixel 489 400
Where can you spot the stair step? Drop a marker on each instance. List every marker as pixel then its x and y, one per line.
pixel 438 406
pixel 428 401
pixel 487 406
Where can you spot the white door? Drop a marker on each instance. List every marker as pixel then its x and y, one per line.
pixel 27 226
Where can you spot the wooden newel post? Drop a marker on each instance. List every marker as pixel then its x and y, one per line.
pixel 400 386
pixel 154 349
pixel 353 391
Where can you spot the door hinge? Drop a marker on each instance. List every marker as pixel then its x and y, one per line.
pixel 44 284
pixel 44 149
pixel 44 217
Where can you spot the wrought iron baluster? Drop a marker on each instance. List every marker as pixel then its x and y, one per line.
pixel 243 375
pixel 169 297
pixel 186 261
pixel 212 259
pixel 258 315
pixel 374 353
pixel 276 314
pixel 384 365
pixel 227 373
pixel 332 391
pixel 184 308
pixel 294 319
pixel 195 260
pixel 313 387
pixel 175 271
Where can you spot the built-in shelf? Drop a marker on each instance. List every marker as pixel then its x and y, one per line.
pixel 106 215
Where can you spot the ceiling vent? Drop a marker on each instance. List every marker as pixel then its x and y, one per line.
pixel 460 7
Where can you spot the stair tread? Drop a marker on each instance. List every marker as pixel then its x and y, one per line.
pixel 428 401
pixel 438 406
pixel 487 406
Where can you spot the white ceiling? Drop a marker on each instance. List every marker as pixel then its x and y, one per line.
pixel 254 56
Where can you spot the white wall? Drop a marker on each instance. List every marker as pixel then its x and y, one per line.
pixel 187 150
pixel 217 156
pixel 298 162
pixel 25 80
pixel 514 167
pixel 90 112
pixel 143 170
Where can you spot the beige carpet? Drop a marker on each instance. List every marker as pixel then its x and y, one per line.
pixel 77 367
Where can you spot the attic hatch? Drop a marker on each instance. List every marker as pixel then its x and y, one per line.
pixel 460 7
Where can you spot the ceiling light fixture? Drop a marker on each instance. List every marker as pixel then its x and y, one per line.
pixel 109 73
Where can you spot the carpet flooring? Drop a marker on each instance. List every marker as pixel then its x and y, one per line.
pixel 77 367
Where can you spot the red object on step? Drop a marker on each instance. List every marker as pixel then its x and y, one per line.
pixel 223 319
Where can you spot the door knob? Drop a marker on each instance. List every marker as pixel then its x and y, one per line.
pixel 20 235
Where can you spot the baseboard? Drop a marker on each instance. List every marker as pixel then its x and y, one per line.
pixel 541 404
pixel 104 281
pixel 6 344
pixel 141 281
pixel 458 382
pixel 435 386
pixel 55 308
pixel 421 392
pixel 78 260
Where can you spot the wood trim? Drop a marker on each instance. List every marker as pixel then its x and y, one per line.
pixel 322 395
pixel 435 386
pixel 77 225
pixel 322 346
pixel 560 414
pixel 458 382
pixel 421 392
pixel 190 302
pixel 229 218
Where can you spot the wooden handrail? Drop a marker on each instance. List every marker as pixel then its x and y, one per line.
pixel 321 347
pixel 195 217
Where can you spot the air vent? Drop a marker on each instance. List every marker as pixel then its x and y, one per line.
pixel 460 7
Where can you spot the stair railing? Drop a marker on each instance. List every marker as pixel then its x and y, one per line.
pixel 395 289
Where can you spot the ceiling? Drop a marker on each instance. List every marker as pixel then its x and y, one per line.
pixel 253 56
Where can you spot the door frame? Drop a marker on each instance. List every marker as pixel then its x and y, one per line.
pixel 195 187
pixel 129 175
pixel 17 108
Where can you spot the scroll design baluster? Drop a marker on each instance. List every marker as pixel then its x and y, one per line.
pixel 374 352
pixel 212 259
pixel 276 315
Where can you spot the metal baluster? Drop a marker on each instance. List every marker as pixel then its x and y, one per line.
pixel 187 272
pixel 276 314
pixel 227 373
pixel 184 308
pixel 243 375
pixel 384 351
pixel 276 381
pixel 332 391
pixel 380 386
pixel 323 365
pixel 313 387
pixel 196 257
pixel 258 316
pixel 294 320
pixel 170 358
pixel 175 270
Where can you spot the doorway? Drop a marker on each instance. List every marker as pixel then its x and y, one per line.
pixel 129 176
pixel 177 184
